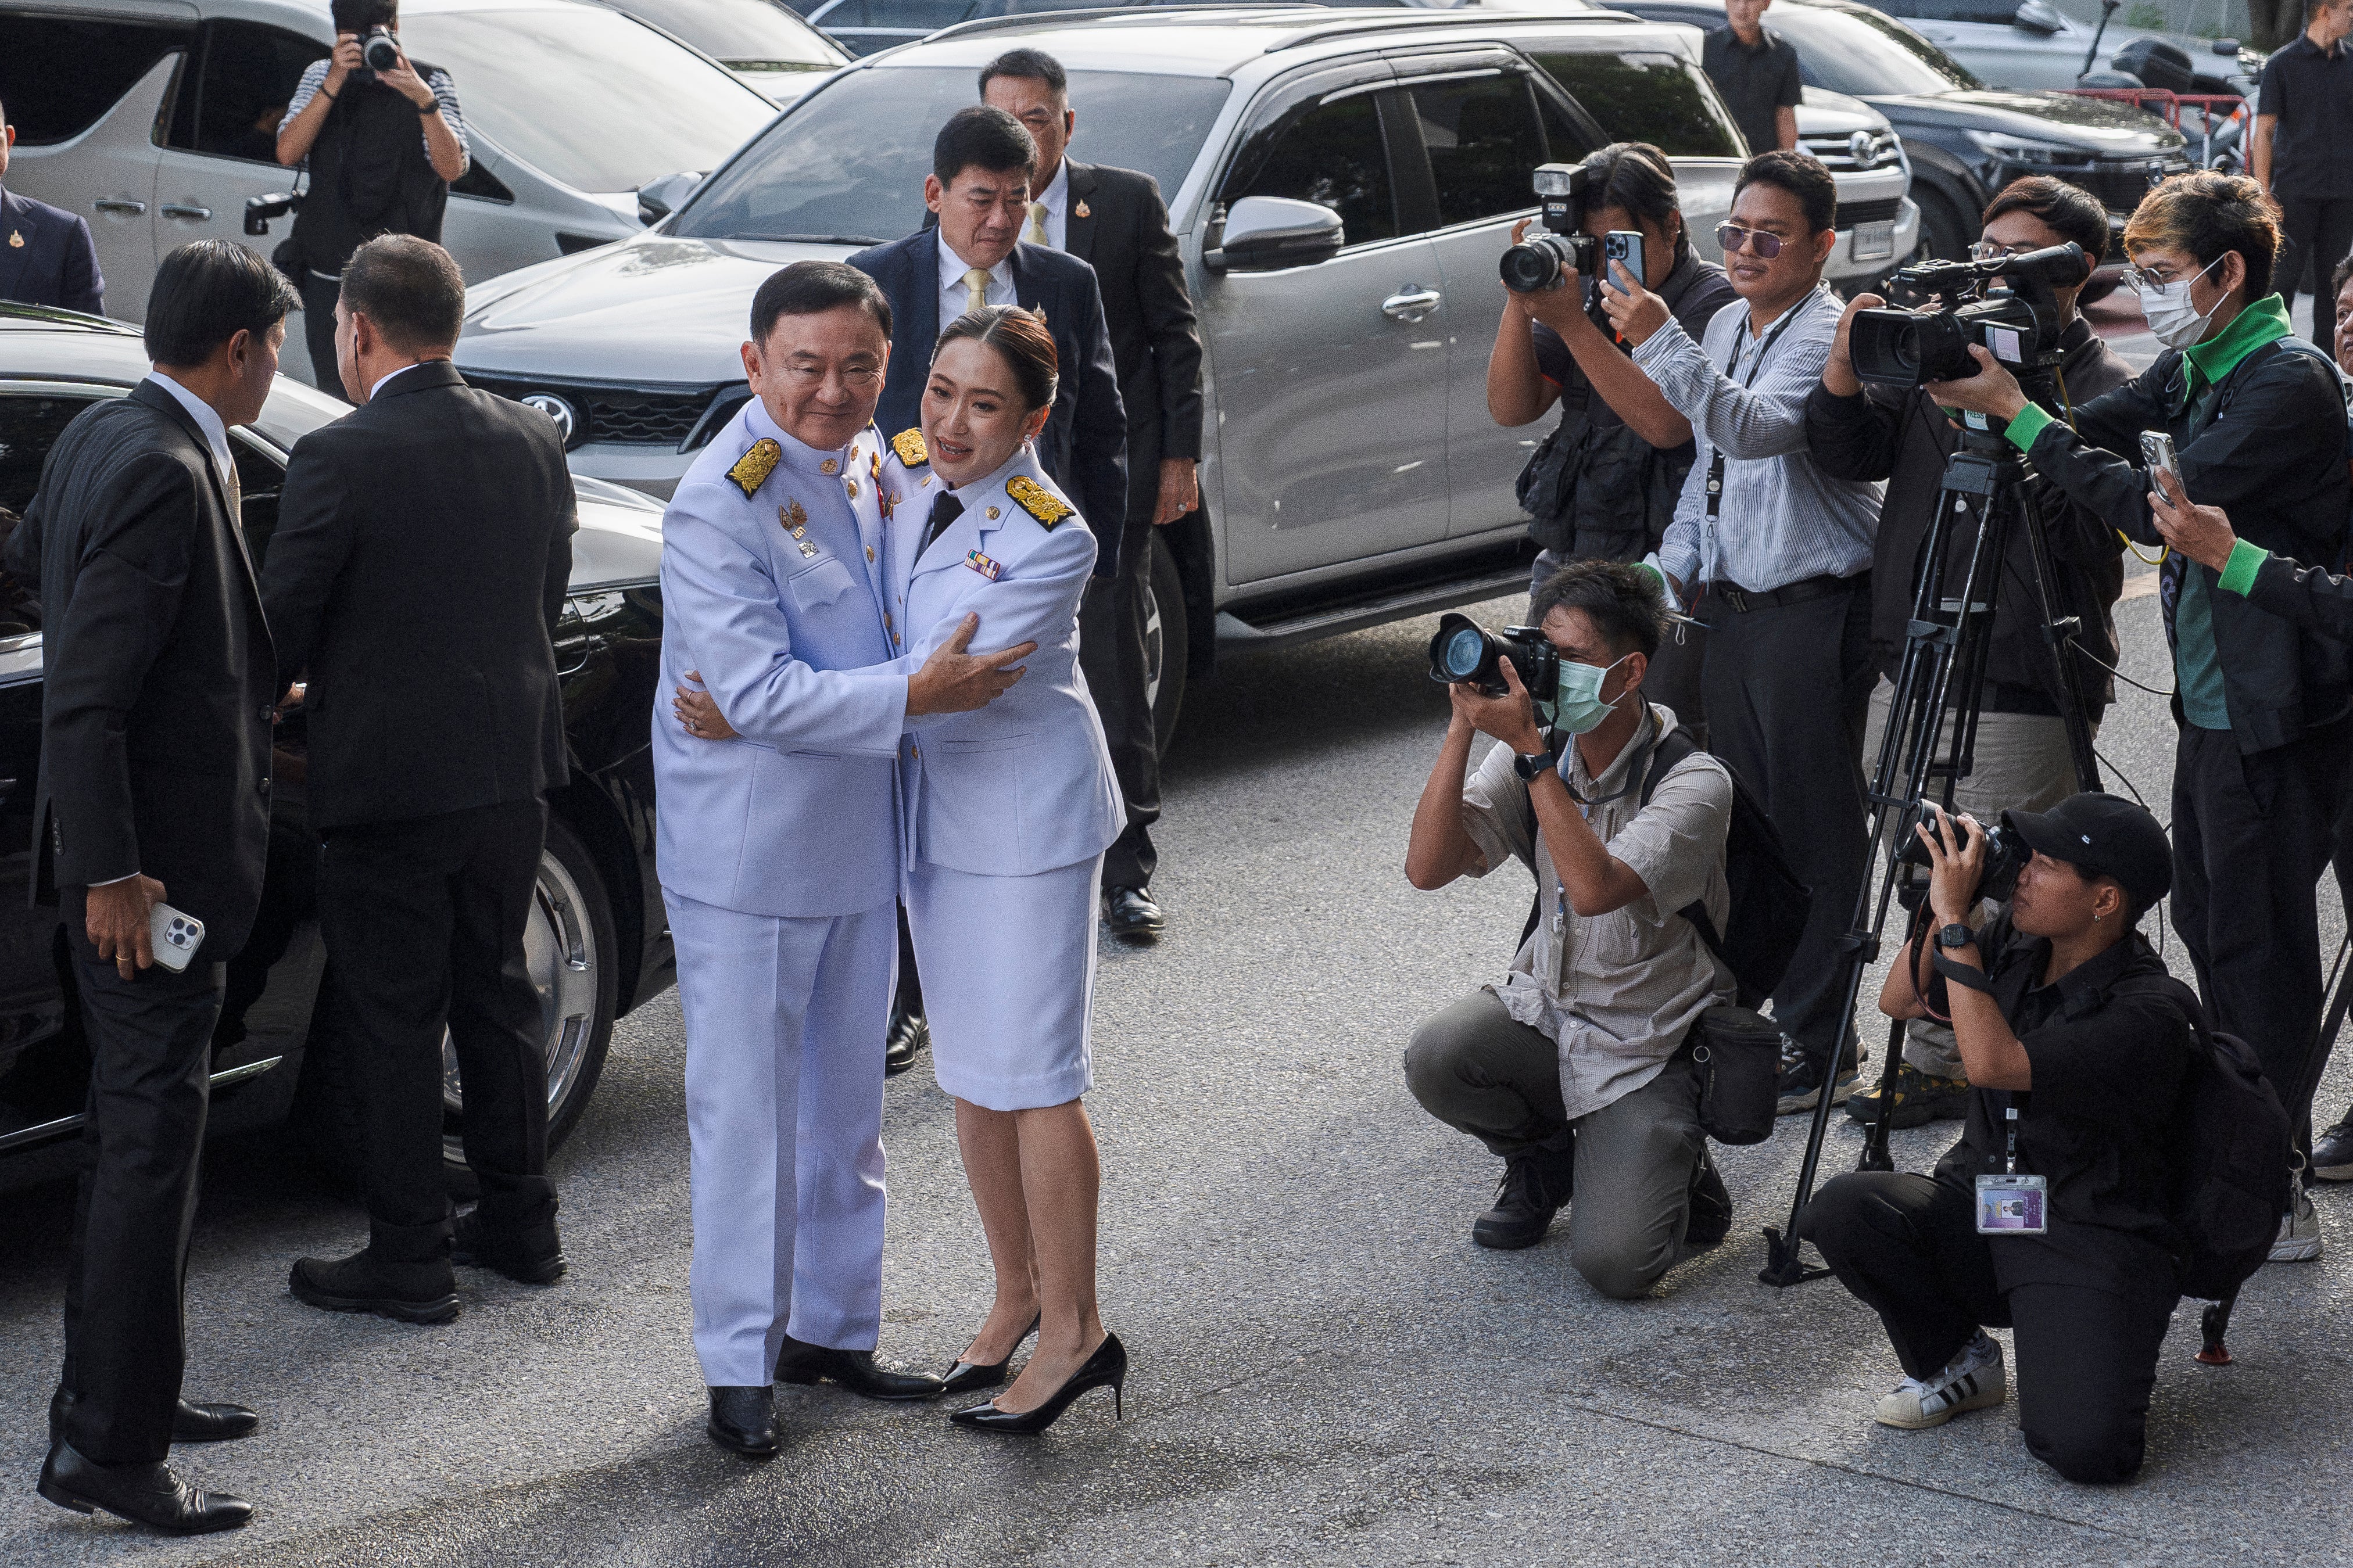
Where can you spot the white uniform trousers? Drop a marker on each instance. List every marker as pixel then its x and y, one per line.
pixel 784 1023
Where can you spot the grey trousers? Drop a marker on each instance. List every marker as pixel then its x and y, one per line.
pixel 1675 671
pixel 1480 1070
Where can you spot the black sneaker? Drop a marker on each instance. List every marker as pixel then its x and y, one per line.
pixel 1524 1204
pixel 1801 1079
pixel 2332 1153
pixel 1920 1098
pixel 1711 1205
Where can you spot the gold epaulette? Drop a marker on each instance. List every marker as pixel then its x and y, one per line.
pixel 1038 501
pixel 753 469
pixel 909 445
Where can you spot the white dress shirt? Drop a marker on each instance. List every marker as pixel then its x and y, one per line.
pixel 216 433
pixel 389 375
pixel 955 297
pixel 1055 199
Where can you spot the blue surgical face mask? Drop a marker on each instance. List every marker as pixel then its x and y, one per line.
pixel 1578 709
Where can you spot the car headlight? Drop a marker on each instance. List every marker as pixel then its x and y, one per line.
pixel 2034 154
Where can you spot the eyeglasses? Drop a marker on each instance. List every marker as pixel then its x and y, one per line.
pixel 811 376
pixel 1990 249
pixel 1731 236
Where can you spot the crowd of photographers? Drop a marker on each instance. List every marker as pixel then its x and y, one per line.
pixel 1736 513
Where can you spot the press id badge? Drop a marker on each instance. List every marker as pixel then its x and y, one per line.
pixel 2012 1203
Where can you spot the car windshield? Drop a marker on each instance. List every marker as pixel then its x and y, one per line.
pixel 586 96
pixel 750 35
pixel 1865 54
pixel 848 162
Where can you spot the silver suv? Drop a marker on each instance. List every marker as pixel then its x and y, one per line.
pixel 1341 184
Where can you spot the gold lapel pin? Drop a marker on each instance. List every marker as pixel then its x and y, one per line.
pixel 1082 210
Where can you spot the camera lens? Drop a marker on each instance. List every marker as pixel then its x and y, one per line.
pixel 1463 653
pixel 1531 268
pixel 380 52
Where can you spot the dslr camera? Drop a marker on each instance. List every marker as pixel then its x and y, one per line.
pixel 1464 651
pixel 2006 855
pixel 379 52
pixel 1549 259
pixel 2019 324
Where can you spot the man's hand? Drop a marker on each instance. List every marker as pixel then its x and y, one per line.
pixel 1633 309
pixel 1511 718
pixel 117 922
pixel 403 80
pixel 1837 371
pixel 1957 865
pixel 2204 533
pixel 1181 490
pixel 954 682
pixel 1992 390
pixel 344 61
pixel 698 715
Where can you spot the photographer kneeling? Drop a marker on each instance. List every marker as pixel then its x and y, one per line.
pixel 1603 485
pixel 1576 1067
pixel 2048 1215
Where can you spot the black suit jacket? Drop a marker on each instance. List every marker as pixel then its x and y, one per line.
pixel 155 711
pixel 46 256
pixel 1117 224
pixel 1084 444
pixel 422 555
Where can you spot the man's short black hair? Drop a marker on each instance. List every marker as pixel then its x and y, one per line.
pixel 410 287
pixel 1027 65
pixel 982 137
pixel 1621 599
pixel 2071 210
pixel 1800 173
pixel 2336 280
pixel 813 287
pixel 359 16
pixel 206 292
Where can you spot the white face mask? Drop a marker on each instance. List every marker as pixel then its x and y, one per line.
pixel 2171 317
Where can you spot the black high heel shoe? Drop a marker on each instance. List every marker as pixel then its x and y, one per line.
pixel 967 1375
pixel 1107 1368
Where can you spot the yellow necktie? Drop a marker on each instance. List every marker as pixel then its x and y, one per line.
pixel 976 283
pixel 1037 234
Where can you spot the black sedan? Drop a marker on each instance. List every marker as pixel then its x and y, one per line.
pixel 598 943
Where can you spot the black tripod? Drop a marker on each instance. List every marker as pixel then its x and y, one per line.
pixel 1941 681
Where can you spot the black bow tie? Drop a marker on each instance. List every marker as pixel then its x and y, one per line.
pixel 945 509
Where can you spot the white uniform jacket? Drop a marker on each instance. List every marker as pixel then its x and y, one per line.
pixel 772 588
pixel 1024 784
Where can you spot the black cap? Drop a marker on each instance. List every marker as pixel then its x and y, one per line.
pixel 2101 836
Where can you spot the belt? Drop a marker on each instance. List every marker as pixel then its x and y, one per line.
pixel 1798 593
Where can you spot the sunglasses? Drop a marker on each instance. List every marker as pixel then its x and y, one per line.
pixel 1731 236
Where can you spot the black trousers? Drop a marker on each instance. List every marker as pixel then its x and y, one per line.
pixel 424 922
pixel 1788 691
pixel 1112 658
pixel 2251 836
pixel 1908 1247
pixel 2317 232
pixel 150 1084
pixel 319 296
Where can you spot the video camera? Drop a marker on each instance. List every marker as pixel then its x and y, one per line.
pixel 1549 259
pixel 1465 651
pixel 2019 327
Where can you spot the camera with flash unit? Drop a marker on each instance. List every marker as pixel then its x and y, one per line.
pixel 1549 259
pixel 2019 326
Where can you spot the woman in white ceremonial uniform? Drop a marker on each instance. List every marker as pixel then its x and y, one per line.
pixel 1008 811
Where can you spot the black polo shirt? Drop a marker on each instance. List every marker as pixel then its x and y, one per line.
pixel 2110 1046
pixel 1753 82
pixel 2311 91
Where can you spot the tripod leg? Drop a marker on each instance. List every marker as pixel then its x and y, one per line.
pixel 2060 632
pixel 1874 1146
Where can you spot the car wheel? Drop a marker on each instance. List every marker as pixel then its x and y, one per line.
pixel 1167 643
pixel 1945 234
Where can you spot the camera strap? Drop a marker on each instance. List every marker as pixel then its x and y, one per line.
pixel 1715 453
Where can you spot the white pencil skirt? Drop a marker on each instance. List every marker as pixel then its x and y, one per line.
pixel 1008 968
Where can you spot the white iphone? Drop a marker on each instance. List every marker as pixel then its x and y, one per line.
pixel 174 936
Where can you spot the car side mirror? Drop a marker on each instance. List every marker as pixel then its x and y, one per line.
pixel 1264 232
pixel 2039 16
pixel 657 198
pixel 259 210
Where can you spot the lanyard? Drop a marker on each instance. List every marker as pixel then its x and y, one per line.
pixel 1756 366
pixel 2010 1157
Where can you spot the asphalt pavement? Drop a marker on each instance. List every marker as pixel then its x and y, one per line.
pixel 1325 1370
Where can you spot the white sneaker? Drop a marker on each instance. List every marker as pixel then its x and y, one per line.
pixel 2299 1233
pixel 1972 1380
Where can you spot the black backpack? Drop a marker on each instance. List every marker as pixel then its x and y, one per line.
pixel 1769 905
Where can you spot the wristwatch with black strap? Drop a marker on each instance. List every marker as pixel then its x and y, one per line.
pixel 1530 765
pixel 1956 935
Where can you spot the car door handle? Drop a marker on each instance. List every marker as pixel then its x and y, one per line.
pixel 118 205
pixel 185 209
pixel 1412 303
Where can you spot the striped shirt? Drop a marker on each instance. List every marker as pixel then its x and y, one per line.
pixel 445 92
pixel 1782 520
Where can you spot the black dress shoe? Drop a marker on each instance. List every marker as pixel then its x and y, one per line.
pixel 423 1292
pixel 855 1370
pixel 146 1494
pixel 190 1423
pixel 744 1419
pixel 530 1255
pixel 1130 912
pixel 967 1375
pixel 907 1039
pixel 1107 1368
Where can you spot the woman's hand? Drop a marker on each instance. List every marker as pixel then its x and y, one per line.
pixel 1633 309
pixel 1956 866
pixel 2204 533
pixel 1993 391
pixel 698 715
pixel 1511 718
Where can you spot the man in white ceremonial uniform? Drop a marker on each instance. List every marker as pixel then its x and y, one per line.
pixel 778 850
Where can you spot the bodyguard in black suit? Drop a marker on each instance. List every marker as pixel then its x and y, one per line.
pixel 46 256
pixel 1113 220
pixel 154 787
pixel 420 562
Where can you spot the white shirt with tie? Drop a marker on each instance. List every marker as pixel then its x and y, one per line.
pixel 955 293
pixel 1055 199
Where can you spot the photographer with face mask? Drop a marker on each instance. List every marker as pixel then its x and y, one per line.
pixel 1576 1067
pixel 2266 710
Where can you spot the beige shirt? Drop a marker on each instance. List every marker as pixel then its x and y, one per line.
pixel 1616 993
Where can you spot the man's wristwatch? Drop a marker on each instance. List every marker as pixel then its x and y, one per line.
pixel 1955 935
pixel 1531 766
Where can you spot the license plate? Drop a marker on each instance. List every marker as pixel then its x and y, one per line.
pixel 1874 241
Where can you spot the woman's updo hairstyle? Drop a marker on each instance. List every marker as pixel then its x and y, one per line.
pixel 1021 339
